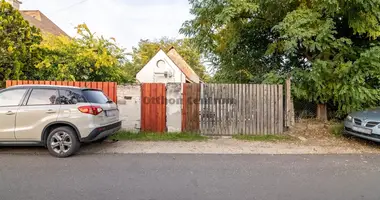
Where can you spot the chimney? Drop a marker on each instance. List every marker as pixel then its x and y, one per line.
pixel 14 3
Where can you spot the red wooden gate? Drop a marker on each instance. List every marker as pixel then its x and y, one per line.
pixel 190 107
pixel 109 88
pixel 153 107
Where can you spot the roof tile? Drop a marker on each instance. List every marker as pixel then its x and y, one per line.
pixel 39 20
pixel 183 66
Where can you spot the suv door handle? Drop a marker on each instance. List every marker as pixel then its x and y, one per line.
pixel 50 111
pixel 10 113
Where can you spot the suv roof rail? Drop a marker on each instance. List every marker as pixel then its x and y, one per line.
pixel 41 86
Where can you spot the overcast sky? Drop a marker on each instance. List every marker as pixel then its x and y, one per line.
pixel 126 20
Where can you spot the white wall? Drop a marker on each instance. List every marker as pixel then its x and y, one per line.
pixel 129 103
pixel 150 72
pixel 174 107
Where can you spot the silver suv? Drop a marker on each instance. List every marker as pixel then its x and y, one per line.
pixel 58 117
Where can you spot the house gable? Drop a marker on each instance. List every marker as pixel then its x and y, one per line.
pixel 160 69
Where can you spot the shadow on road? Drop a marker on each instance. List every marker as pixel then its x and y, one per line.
pixel 361 141
pixel 22 149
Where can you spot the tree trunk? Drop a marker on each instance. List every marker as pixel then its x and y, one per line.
pixel 322 112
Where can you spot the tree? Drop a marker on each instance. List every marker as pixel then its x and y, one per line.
pixel 235 34
pixel 147 49
pixel 85 58
pixel 338 41
pixel 17 45
pixel 329 47
pixel 23 54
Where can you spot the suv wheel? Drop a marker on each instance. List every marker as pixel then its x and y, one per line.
pixel 62 142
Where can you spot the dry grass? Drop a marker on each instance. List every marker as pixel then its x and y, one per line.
pixel 263 138
pixel 314 132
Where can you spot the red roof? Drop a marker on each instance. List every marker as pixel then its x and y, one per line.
pixel 183 66
pixel 39 20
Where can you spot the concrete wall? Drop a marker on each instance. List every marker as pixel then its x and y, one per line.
pixel 174 107
pixel 129 102
pixel 152 72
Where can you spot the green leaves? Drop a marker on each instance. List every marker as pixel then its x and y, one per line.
pixel 305 31
pixel 85 58
pixel 235 34
pixel 351 86
pixel 330 47
pixel 17 39
pixel 213 17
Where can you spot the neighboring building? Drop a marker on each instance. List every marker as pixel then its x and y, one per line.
pixel 167 68
pixel 37 19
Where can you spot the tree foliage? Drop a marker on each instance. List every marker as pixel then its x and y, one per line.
pixel 17 44
pixel 235 34
pixel 85 58
pixel 329 47
pixel 146 49
pixel 26 54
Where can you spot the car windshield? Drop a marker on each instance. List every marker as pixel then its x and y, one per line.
pixel 95 96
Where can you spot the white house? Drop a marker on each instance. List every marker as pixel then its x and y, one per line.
pixel 167 68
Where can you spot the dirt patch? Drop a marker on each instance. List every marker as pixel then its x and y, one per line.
pixel 312 132
pixel 220 146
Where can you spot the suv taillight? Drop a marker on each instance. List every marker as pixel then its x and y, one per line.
pixel 92 110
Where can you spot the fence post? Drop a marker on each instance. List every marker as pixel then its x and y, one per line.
pixel 8 83
pixel 289 112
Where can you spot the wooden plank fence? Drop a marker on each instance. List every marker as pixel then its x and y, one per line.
pixel 190 107
pixel 250 109
pixel 153 107
pixel 109 88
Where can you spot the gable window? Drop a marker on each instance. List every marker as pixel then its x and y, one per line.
pixel 161 64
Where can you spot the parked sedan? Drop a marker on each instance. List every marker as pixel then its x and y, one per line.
pixel 364 124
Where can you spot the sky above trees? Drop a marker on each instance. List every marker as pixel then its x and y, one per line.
pixel 126 20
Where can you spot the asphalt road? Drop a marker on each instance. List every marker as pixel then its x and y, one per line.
pixel 166 177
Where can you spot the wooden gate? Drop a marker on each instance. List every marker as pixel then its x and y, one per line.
pixel 153 107
pixel 109 88
pixel 190 107
pixel 229 109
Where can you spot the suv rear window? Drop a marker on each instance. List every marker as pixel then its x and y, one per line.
pixel 95 96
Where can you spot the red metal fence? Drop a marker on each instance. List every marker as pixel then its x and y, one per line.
pixel 153 107
pixel 109 88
